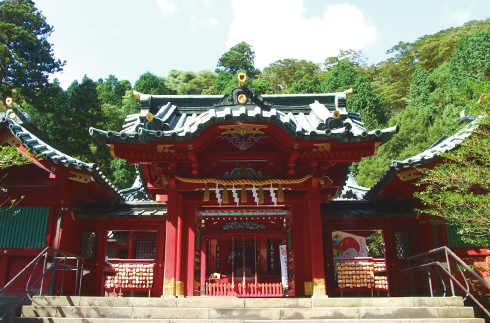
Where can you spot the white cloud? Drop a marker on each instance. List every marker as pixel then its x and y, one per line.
pixel 278 31
pixel 213 21
pixel 167 7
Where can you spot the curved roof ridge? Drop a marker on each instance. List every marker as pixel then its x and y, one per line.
pixel 318 116
pixel 432 153
pixel 16 124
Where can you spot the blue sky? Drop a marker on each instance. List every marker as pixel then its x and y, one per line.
pixel 127 38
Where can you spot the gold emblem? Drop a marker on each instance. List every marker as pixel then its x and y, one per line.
pixel 321 148
pixel 409 175
pixel 242 129
pixel 242 99
pixel 165 149
pixel 80 177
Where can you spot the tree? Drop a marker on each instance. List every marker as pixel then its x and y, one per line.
pixel 304 86
pixel 239 57
pixel 26 57
pixel 151 84
pixel 261 86
pixel 202 83
pixel 458 190
pixel 284 73
pixel 85 111
pixel 471 59
pixel 363 101
pixel 353 57
pixel 112 90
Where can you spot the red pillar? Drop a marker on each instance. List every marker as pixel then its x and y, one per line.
pixel 189 228
pixel 173 210
pixel 301 246
pixel 316 239
pixel 203 266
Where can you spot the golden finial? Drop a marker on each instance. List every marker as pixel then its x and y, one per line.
pixel 349 92
pixel 242 77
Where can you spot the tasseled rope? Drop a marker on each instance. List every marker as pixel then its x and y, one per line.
pixel 225 195
pixel 244 194
pixel 206 193
pixel 280 194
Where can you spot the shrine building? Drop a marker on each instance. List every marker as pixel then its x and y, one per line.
pixel 240 195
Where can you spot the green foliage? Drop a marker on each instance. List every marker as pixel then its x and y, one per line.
pixel 151 84
pixel 457 190
pixel 471 59
pixel 112 90
pixel 350 56
pixel 239 57
pixel 221 82
pixel 283 73
pixel 201 84
pixel 176 79
pixel 26 57
pixel 363 101
pixel 9 157
pixel 375 244
pixel 305 86
pixel 261 86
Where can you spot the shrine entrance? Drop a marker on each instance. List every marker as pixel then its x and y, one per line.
pixel 241 253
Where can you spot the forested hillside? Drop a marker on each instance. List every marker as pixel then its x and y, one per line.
pixel 423 88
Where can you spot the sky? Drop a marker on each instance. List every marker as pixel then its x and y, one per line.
pixel 127 38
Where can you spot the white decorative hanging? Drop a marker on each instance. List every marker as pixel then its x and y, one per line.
pixel 235 196
pixel 218 195
pixel 255 195
pixel 273 196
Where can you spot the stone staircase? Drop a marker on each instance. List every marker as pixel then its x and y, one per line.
pixel 247 310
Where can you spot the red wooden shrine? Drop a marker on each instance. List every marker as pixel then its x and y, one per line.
pixel 225 183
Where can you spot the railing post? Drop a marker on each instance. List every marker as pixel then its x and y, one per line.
pixel 63 276
pixel 449 269
pixel 76 278
pixel 430 279
pixel 44 269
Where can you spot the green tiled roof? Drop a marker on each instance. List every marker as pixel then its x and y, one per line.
pixel 30 136
pixel 303 116
pixel 434 152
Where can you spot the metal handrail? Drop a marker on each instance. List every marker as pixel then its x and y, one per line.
pixel 446 269
pixel 56 261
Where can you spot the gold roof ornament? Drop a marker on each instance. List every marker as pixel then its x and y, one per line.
pixel 9 102
pixel 242 77
pixel 136 95
pixel 349 92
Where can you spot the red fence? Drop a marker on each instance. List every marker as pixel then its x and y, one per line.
pixel 249 290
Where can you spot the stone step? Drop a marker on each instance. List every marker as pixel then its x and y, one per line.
pixel 229 302
pixel 248 313
pixel 100 320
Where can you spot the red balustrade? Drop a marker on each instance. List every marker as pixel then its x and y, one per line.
pixel 249 290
